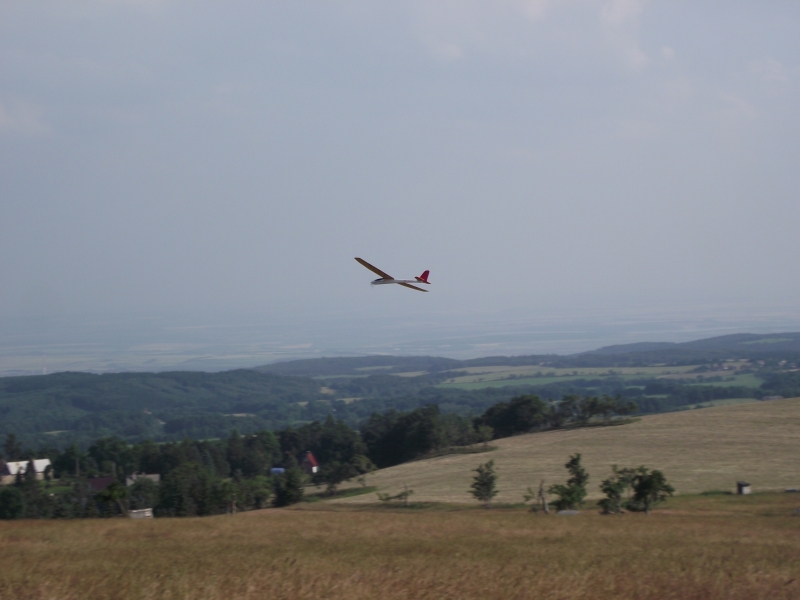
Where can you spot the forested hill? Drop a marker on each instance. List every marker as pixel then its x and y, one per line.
pixel 780 346
pixel 157 405
pixel 63 408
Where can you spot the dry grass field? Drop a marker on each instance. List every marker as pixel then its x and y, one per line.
pixel 709 548
pixel 698 450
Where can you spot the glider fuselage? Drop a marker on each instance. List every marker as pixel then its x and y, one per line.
pixel 385 281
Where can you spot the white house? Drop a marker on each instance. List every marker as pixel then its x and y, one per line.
pixel 9 470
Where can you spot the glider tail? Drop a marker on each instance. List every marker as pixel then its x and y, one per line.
pixel 424 277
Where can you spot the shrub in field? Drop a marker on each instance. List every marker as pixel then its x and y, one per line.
pixel 402 496
pixel 539 497
pixel 571 495
pixel 484 484
pixel 614 488
pixel 649 488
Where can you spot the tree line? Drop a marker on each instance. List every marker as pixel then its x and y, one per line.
pixel 633 489
pixel 204 477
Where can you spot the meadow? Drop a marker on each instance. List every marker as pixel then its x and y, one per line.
pixel 476 378
pixel 701 547
pixel 698 450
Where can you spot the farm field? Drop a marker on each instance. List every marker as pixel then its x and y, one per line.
pixel 745 379
pixel 710 548
pixel 698 450
pixel 654 371
pixel 479 383
pixel 499 376
pixel 538 375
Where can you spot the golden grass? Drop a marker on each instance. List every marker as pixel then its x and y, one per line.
pixel 698 450
pixel 712 548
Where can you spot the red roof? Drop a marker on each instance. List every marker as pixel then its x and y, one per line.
pixel 98 484
pixel 309 459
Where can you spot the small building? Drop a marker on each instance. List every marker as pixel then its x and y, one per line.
pixel 277 471
pixel 9 470
pixel 310 464
pixel 142 513
pixel 743 488
pixel 131 479
pixel 99 484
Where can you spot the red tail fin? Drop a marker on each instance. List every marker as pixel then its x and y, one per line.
pixel 424 277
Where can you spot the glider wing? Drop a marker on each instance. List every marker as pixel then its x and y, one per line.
pixel 413 287
pixel 375 269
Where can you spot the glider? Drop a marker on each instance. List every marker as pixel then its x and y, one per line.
pixel 385 278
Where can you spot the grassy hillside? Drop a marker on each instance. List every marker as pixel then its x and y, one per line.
pixel 698 450
pixel 713 548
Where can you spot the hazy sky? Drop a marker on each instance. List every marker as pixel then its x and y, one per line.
pixel 225 158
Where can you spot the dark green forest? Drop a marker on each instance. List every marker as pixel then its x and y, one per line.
pixel 77 408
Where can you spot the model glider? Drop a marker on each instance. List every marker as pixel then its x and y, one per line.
pixel 385 278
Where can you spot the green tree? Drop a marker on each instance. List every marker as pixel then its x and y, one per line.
pixel 288 487
pixel 143 494
pixel 402 496
pixel 253 493
pixel 650 488
pixel 115 494
pixel 484 484
pixel 12 448
pixel 189 490
pixel 571 495
pixel 484 434
pixel 114 456
pixel 12 503
pixel 614 488
pixel 519 415
pixel 69 462
pixel 38 505
pixel 333 473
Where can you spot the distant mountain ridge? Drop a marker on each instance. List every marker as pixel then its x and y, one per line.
pixel 740 345
pixel 781 341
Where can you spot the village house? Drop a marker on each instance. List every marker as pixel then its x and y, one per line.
pixel 9 470
pixel 99 484
pixel 309 464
